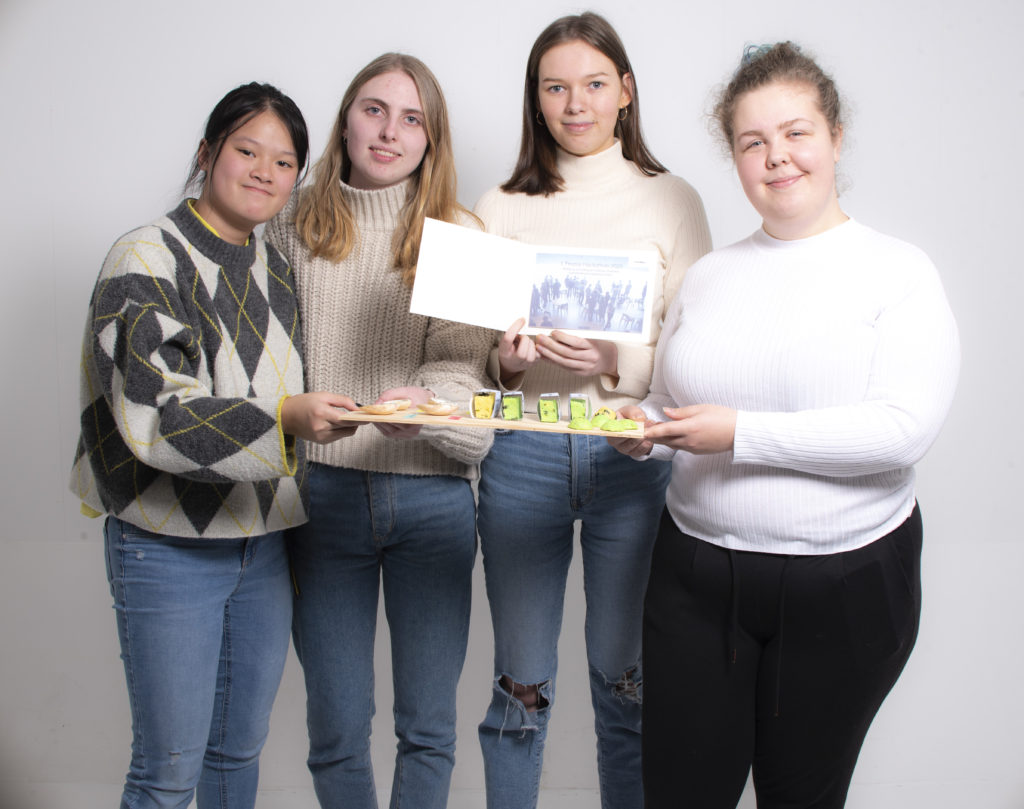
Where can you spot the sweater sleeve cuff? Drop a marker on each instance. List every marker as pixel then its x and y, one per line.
pixel 634 371
pixel 289 460
pixel 515 382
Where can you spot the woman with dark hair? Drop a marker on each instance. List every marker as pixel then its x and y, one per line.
pixel 584 178
pixel 397 514
pixel 191 404
pixel 801 374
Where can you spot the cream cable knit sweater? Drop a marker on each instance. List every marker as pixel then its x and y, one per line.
pixel 359 339
pixel 607 202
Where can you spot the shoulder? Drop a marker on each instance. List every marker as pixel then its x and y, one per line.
pixel 736 254
pixel 666 200
pixel 882 244
pixel 492 201
pixel 468 219
pixel 673 187
pixel 889 261
pixel 280 233
pixel 150 248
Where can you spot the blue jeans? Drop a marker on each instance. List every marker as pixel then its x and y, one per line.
pixel 203 625
pixel 416 534
pixel 532 487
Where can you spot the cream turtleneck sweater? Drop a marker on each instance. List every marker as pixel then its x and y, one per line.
pixel 359 339
pixel 607 203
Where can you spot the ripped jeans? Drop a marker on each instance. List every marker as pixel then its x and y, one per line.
pixel 532 488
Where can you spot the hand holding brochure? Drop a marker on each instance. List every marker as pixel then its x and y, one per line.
pixel 484 280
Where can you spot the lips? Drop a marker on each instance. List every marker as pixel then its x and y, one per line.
pixel 784 182
pixel 578 127
pixel 384 154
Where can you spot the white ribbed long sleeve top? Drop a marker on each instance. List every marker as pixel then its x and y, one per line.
pixel 841 356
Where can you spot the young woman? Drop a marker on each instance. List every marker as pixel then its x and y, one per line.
pixel 801 373
pixel 584 178
pixel 400 511
pixel 191 402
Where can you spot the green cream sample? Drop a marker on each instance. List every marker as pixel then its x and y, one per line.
pixel 547 407
pixel 512 406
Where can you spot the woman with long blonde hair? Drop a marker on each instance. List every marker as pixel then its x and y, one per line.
pixel 400 512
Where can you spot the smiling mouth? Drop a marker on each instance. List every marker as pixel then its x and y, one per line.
pixel 784 182
pixel 384 154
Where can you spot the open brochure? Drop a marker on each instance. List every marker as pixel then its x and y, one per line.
pixel 484 280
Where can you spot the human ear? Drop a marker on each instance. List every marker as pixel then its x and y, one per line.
pixel 626 97
pixel 837 142
pixel 203 156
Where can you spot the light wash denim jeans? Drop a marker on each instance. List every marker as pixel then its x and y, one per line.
pixel 417 535
pixel 204 628
pixel 532 487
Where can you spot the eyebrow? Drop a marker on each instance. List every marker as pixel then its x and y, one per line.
pixel 381 102
pixel 588 76
pixel 783 125
pixel 247 139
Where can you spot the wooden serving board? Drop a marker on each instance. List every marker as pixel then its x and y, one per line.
pixel 461 418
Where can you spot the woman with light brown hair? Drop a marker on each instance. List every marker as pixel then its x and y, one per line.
pixel 394 512
pixel 584 178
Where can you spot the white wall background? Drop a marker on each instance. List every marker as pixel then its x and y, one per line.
pixel 102 105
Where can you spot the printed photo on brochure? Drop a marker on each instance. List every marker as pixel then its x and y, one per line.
pixel 485 280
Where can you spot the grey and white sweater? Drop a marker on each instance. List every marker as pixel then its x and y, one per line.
pixel 191 345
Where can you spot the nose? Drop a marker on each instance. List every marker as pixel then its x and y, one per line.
pixel 261 170
pixel 388 129
pixel 777 156
pixel 574 101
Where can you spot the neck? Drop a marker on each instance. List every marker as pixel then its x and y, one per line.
pixel 221 228
pixel 792 229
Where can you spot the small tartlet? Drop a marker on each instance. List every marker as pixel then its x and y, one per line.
pixel 438 407
pixel 386 408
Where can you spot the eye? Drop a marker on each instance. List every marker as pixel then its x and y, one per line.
pixel 246 152
pixel 796 133
pixel 752 144
pixel 285 164
pixel 412 120
pixel 596 84
pixel 373 109
pixel 554 88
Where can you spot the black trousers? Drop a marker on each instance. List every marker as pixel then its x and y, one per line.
pixel 776 663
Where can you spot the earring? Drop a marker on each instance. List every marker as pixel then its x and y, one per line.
pixel 623 113
pixel 540 118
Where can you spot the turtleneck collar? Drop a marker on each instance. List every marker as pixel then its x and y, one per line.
pixel 377 208
pixel 593 171
pixel 219 251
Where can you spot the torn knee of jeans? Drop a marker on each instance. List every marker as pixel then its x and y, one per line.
pixel 532 697
pixel 519 708
pixel 629 686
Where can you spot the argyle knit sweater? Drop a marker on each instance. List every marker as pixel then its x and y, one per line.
pixel 360 339
pixel 191 345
